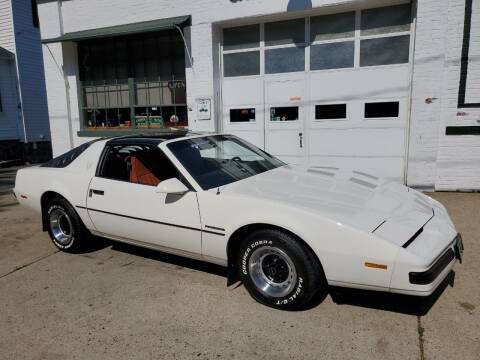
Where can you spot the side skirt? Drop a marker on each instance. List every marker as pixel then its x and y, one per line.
pixel 164 249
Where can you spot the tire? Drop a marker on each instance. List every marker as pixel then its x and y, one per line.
pixel 65 227
pixel 279 271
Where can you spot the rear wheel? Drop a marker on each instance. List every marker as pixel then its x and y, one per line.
pixel 65 227
pixel 278 270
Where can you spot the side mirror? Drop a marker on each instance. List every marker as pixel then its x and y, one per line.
pixel 171 186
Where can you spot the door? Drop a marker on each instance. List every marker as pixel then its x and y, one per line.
pixel 123 202
pixel 284 120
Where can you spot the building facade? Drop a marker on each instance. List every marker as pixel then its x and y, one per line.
pixel 391 88
pixel 24 125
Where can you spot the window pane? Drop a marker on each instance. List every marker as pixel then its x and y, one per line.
pixel 285 32
pixel 284 60
pixel 242 115
pixel 386 19
pixel 332 55
pixel 385 51
pixel 241 37
pixel 381 109
pixel 285 113
pixel 332 111
pixel 242 64
pixel 334 26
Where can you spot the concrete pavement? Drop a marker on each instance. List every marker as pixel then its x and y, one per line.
pixel 122 302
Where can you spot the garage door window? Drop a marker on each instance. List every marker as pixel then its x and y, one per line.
pixel 241 64
pixel 242 115
pixel 385 35
pixel 332 41
pixel 331 112
pixel 241 51
pixel 389 109
pixel 285 46
pixel 370 37
pixel 284 113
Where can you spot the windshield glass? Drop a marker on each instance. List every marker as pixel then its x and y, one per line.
pixel 221 159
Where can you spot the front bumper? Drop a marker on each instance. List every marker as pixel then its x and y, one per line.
pixel 425 281
pixel 430 275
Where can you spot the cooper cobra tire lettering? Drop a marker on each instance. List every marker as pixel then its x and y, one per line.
pixel 307 278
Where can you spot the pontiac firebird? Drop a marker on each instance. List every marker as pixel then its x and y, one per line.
pixel 287 232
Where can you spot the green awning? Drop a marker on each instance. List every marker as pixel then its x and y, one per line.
pixel 119 30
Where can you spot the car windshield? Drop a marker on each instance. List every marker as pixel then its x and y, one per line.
pixel 221 159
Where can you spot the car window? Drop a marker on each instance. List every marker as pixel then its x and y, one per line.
pixel 140 164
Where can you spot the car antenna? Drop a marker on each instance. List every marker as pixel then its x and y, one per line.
pixel 218 190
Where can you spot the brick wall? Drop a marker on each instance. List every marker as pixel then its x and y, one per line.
pixel 436 160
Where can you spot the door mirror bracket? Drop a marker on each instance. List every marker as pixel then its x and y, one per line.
pixel 171 186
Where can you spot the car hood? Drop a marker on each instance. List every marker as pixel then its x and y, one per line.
pixel 349 197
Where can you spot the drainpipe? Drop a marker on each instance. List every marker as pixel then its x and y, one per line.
pixel 65 79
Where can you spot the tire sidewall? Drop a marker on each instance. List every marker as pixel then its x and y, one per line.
pixel 297 294
pixel 58 205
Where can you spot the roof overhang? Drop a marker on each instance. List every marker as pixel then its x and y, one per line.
pixel 120 30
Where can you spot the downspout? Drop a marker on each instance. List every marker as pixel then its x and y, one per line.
pixel 65 79
pixel 186 46
pixel 410 93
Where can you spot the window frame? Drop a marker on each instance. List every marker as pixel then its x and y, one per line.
pixel 107 147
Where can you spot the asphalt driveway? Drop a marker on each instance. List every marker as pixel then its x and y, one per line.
pixel 121 302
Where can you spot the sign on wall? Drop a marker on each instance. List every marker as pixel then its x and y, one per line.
pixel 204 109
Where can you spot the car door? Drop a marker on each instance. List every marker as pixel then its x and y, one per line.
pixel 123 203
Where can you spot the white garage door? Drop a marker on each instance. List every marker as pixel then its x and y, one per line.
pixel 326 90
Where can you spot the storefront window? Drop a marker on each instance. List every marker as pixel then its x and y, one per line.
pixel 135 81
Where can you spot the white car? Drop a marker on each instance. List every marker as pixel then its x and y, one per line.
pixel 286 232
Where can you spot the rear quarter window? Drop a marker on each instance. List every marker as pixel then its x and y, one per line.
pixel 66 159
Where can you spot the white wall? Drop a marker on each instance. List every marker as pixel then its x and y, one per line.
pixel 436 160
pixel 88 14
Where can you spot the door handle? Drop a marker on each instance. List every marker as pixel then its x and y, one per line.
pixel 96 192
pixel 300 138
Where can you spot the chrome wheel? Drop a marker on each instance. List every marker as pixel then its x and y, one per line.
pixel 61 226
pixel 272 271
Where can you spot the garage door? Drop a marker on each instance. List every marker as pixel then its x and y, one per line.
pixel 325 90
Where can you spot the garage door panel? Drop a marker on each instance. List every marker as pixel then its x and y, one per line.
pixel 242 91
pixel 358 142
pixel 365 83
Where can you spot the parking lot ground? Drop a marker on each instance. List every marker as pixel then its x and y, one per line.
pixel 122 302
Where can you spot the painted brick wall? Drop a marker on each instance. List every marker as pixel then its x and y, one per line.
pixel 436 160
pixel 86 14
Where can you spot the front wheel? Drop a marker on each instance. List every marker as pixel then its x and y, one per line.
pixel 278 270
pixel 65 227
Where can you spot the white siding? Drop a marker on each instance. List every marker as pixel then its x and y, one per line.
pixel 7 40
